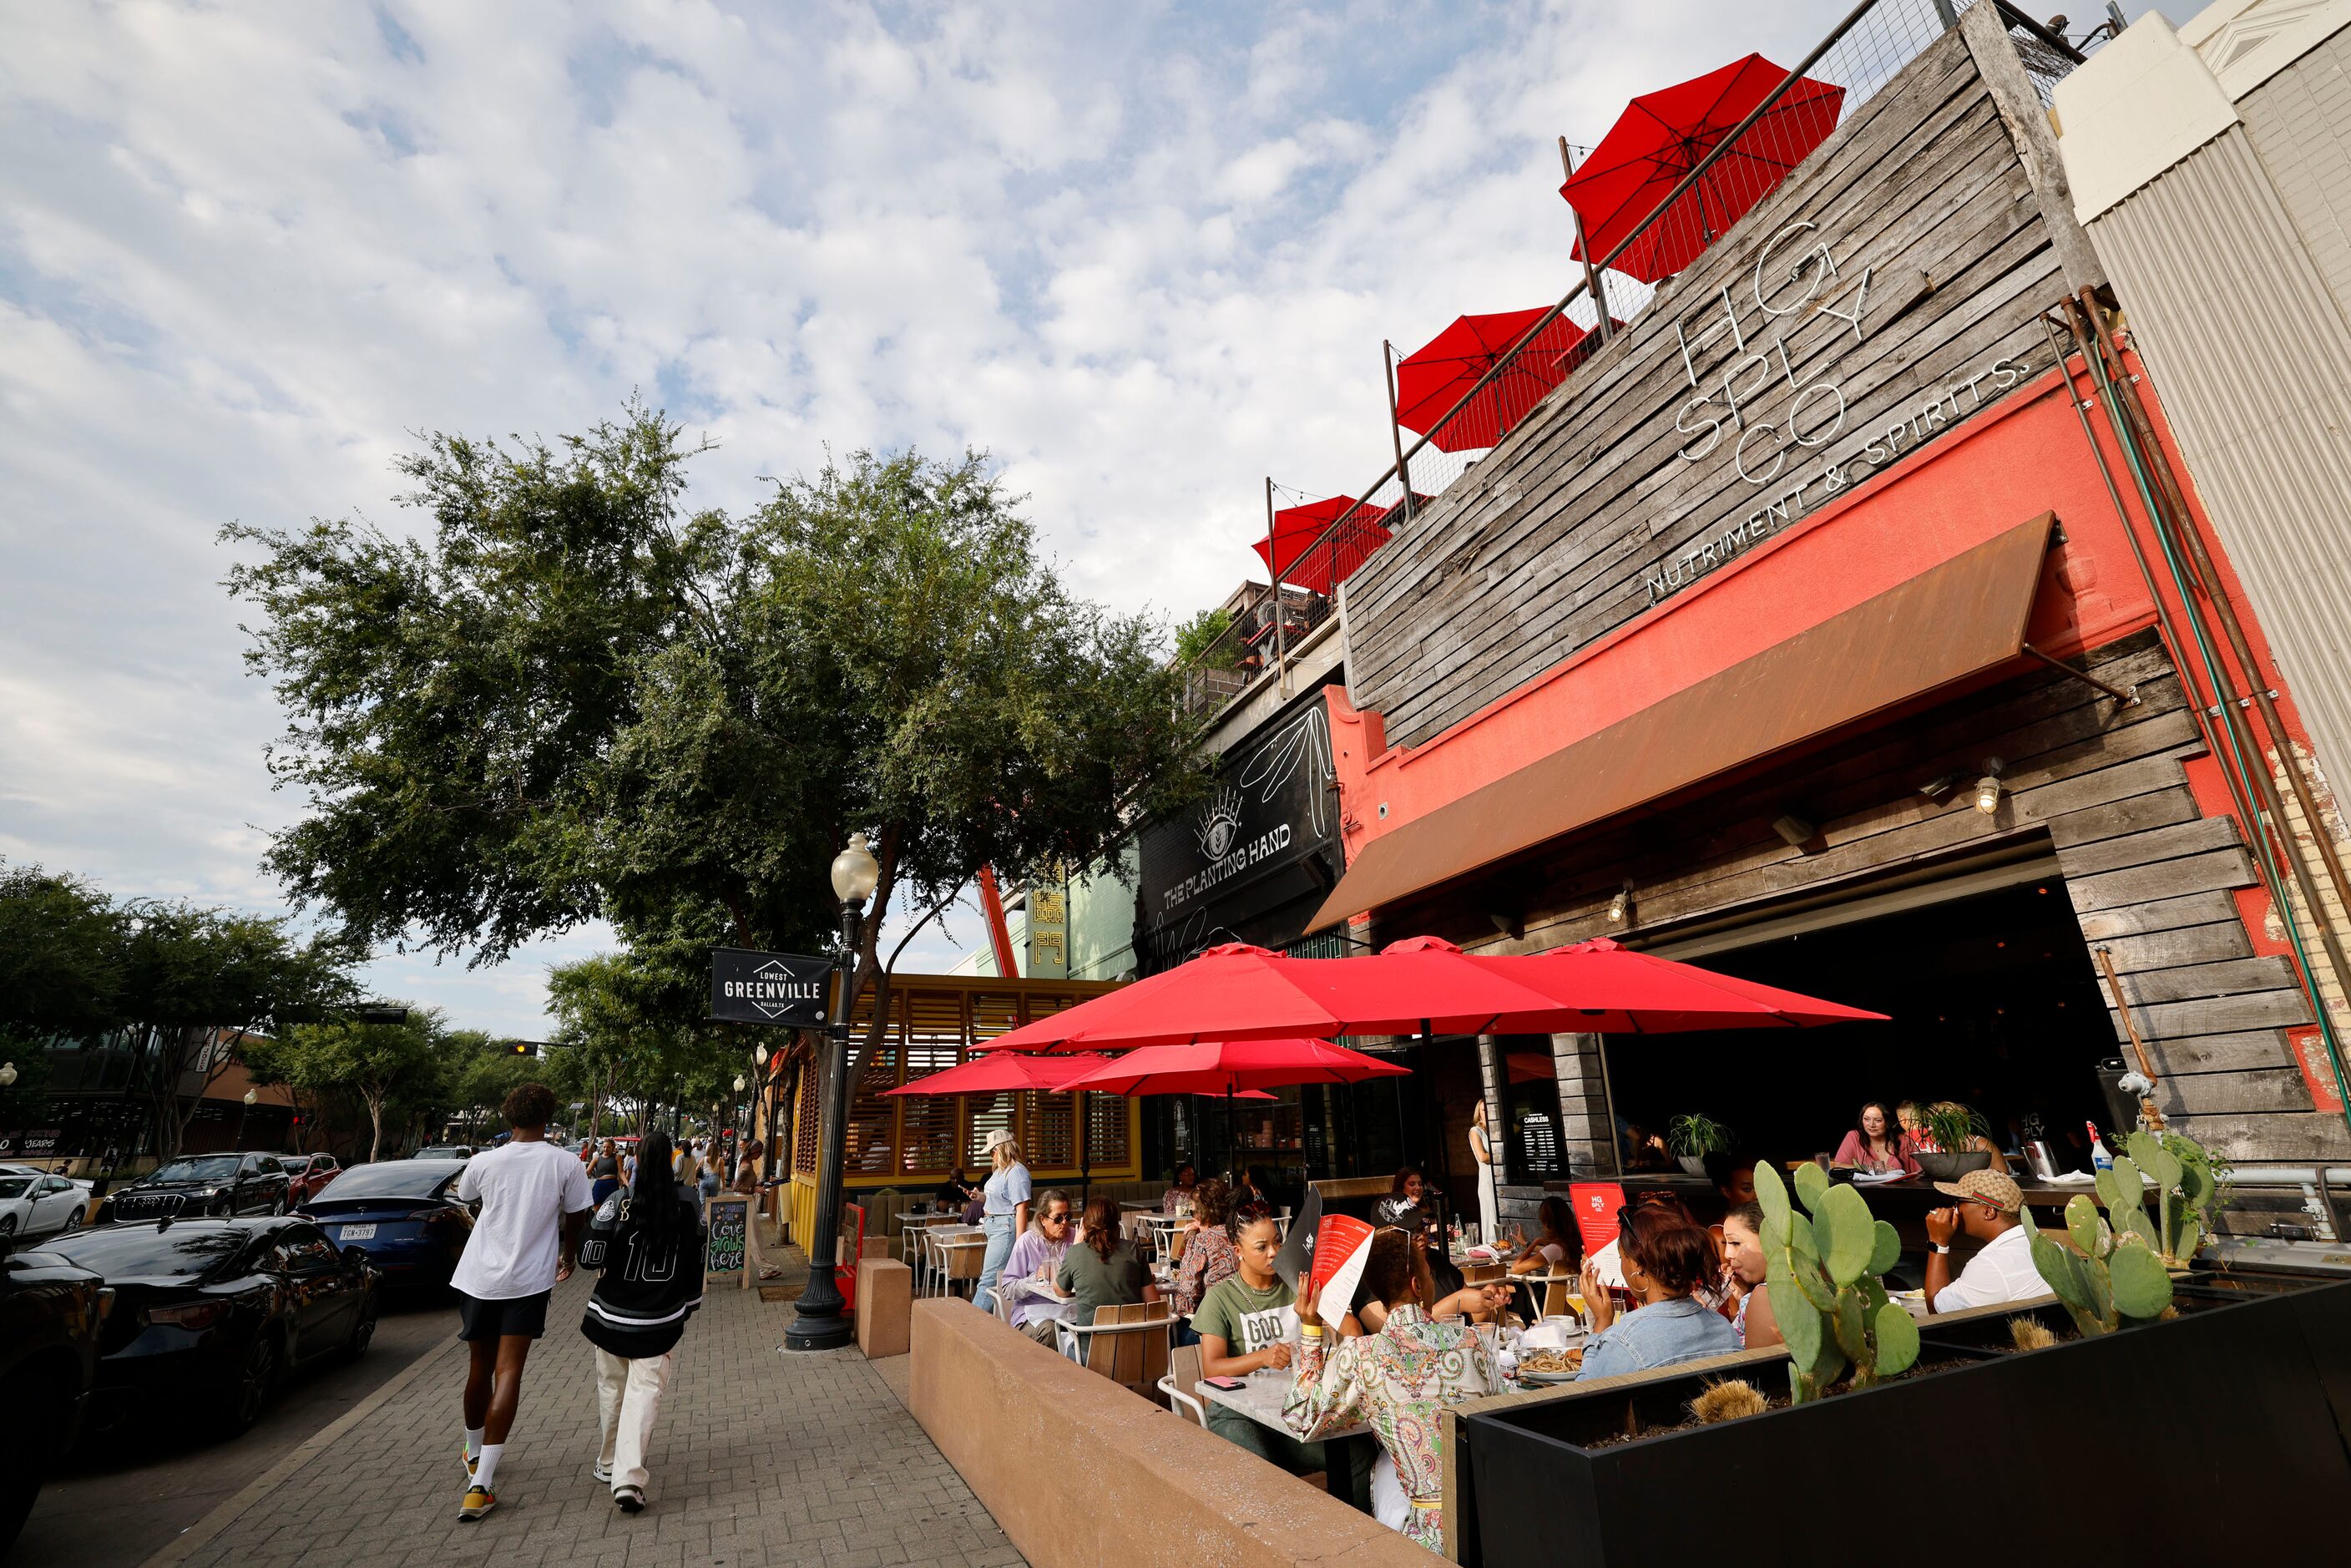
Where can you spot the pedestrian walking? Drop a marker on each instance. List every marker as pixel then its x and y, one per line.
pixel 647 1245
pixel 605 1175
pixel 534 1204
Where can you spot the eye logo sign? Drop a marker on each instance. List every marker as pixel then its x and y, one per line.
pixel 1221 824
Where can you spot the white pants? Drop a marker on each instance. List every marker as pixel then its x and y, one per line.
pixel 627 1401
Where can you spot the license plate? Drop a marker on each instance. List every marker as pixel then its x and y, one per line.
pixel 358 1232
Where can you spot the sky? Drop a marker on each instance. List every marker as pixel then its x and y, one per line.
pixel 1142 255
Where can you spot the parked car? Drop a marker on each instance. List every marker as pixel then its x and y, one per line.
pixel 202 1185
pixel 215 1312
pixel 50 1316
pixel 306 1175
pixel 38 1204
pixel 404 1214
pixel 444 1152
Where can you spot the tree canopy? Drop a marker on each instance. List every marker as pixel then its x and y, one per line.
pixel 577 698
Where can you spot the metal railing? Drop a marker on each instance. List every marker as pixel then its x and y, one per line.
pixel 1863 52
pixel 1253 646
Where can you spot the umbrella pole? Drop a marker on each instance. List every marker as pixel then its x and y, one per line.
pixel 1232 1137
pixel 1591 278
pixel 1272 554
pixel 1085 1154
pixel 1395 432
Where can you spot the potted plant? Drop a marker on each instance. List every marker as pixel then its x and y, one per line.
pixel 1953 1129
pixel 1693 1135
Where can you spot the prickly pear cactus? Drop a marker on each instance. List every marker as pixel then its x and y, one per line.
pixel 2110 1277
pixel 1823 1265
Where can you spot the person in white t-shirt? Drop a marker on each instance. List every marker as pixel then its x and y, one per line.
pixel 1990 1202
pixel 535 1205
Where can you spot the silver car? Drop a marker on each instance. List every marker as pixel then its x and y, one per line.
pixel 34 1203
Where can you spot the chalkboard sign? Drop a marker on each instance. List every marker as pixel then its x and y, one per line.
pixel 730 1224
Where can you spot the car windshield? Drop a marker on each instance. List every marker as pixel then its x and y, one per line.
pixel 132 1250
pixel 15 1186
pixel 393 1179
pixel 211 1168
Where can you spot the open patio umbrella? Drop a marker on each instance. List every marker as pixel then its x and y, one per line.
pixel 1235 991
pixel 1234 1069
pixel 1432 380
pixel 1294 556
pixel 1616 990
pixel 1005 1073
pixel 1660 138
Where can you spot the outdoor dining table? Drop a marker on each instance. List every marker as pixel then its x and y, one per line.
pixel 1350 1453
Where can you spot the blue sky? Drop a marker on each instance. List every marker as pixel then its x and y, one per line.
pixel 1143 254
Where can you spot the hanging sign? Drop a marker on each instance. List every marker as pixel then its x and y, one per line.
pixel 784 988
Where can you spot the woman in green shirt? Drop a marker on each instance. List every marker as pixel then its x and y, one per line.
pixel 1244 1327
pixel 1100 1270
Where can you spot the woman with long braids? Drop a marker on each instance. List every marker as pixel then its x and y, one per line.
pixel 647 1243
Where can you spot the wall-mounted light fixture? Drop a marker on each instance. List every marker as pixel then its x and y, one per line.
pixel 1987 787
pixel 1620 908
pixel 1508 922
pixel 1938 788
pixel 1795 829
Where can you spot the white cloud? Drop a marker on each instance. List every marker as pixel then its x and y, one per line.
pixel 1145 254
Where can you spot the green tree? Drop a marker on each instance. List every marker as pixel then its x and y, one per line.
pixel 60 952
pixel 578 699
pixel 386 1068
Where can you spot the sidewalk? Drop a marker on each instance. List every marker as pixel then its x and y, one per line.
pixel 759 1459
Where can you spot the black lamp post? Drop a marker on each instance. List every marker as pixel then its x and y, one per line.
pixel 818 1322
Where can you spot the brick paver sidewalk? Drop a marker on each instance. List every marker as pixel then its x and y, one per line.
pixel 759 1459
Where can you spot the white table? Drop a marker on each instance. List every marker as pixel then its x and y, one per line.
pixel 1260 1398
pixel 1049 1301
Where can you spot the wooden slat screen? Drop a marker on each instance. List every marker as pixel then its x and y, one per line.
pixel 931 1028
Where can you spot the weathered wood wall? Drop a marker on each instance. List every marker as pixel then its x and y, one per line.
pixel 2103 786
pixel 1546 545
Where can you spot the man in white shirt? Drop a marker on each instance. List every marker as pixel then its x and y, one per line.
pixel 1990 1202
pixel 535 1204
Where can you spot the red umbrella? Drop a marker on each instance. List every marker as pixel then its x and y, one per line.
pixel 1007 1073
pixel 1433 379
pixel 1294 555
pixel 1238 992
pixel 1660 138
pixel 1232 1066
pixel 1618 991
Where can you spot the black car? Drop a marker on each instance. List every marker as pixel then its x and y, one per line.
pixel 203 1185
pixel 404 1214
pixel 50 1316
pixel 215 1310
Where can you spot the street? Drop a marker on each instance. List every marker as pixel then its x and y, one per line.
pixel 127 1493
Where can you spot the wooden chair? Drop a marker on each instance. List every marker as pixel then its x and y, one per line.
pixel 1181 1386
pixel 1126 1343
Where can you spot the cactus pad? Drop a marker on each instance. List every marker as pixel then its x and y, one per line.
pixel 1898 1339
pixel 2142 1287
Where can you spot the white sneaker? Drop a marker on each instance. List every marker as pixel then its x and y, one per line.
pixel 602 1471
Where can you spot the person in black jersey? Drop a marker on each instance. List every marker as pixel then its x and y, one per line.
pixel 646 1242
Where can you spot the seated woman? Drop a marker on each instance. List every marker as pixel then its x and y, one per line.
pixel 1181 1189
pixel 1557 1245
pixel 1665 1259
pixel 1742 1277
pixel 1396 1381
pixel 1038 1255
pixel 1103 1270
pixel 1244 1325
pixel 1875 1142
pixel 1208 1256
pixel 1479 1303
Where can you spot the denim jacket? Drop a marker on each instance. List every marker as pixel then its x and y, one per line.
pixel 1659 1335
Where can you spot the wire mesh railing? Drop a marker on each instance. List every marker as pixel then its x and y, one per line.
pixel 1261 631
pixel 1671 213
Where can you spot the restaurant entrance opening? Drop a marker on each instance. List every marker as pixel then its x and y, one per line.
pixel 1994 1001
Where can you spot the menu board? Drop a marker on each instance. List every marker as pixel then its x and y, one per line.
pixel 730 1225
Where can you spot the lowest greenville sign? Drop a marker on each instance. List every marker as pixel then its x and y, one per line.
pixel 785 988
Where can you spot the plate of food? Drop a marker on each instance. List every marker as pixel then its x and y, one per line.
pixel 1551 1365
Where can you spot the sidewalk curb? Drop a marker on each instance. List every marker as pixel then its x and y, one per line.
pixel 201 1533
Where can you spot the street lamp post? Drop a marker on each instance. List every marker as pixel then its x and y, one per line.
pixel 818 1322
pixel 250 1096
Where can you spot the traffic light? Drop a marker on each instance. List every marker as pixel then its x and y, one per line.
pixel 522 1048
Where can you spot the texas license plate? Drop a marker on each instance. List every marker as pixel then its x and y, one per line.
pixel 358 1232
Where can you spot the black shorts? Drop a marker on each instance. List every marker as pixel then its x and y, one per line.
pixel 521 1315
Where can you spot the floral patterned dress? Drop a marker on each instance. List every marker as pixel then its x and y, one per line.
pixel 1394 1382
pixel 1208 1257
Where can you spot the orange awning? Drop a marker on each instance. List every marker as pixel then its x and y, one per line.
pixel 1952 621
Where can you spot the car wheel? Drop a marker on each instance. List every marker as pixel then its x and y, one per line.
pixel 7 1224
pixel 277 1208
pixel 249 1390
pixel 73 1220
pixel 363 1330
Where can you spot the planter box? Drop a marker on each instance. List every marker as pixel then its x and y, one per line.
pixel 2203 1440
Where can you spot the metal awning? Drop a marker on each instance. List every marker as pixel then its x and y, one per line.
pixel 1952 621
